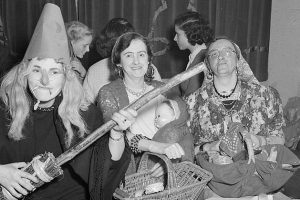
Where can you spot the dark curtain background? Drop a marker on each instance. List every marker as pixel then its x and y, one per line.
pixel 245 21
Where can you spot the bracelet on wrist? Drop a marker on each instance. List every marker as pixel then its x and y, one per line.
pixel 134 143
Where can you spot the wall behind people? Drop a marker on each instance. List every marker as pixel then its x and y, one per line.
pixel 247 22
pixel 284 59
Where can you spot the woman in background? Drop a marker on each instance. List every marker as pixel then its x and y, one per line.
pixel 80 37
pixel 192 33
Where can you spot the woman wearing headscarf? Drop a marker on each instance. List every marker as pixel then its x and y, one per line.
pixel 231 94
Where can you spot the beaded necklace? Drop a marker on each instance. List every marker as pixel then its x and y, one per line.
pixel 225 96
pixel 137 94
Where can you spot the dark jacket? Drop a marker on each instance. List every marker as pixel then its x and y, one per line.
pixel 44 132
pixel 189 86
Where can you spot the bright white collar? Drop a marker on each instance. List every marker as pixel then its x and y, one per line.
pixel 197 49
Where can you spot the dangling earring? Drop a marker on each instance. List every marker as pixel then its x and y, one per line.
pixel 150 72
pixel 119 71
pixel 210 74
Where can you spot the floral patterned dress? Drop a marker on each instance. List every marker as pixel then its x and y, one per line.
pixel 258 107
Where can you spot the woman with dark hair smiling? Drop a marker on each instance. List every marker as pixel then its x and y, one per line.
pixel 101 73
pixel 131 58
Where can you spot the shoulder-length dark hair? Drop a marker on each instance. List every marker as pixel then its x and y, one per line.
pixel 195 27
pixel 122 43
pixel 110 33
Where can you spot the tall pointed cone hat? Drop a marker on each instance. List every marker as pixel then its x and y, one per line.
pixel 49 39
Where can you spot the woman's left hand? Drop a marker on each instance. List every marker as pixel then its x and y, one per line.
pixel 124 119
pixel 78 68
pixel 257 141
pixel 174 151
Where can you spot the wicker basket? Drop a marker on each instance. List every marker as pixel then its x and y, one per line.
pixel 184 180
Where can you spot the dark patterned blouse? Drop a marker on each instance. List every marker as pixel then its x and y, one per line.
pixel 258 107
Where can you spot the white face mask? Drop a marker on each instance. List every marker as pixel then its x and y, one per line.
pixel 45 79
pixel 163 115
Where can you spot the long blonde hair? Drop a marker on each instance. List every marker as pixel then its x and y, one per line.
pixel 14 93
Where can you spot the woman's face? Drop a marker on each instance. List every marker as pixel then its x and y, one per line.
pixel 80 47
pixel 181 39
pixel 222 58
pixel 45 79
pixel 134 60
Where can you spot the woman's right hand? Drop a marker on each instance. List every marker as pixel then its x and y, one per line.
pixel 212 146
pixel 16 181
pixel 124 119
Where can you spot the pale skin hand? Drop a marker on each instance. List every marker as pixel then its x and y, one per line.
pixel 16 181
pixel 273 155
pixel 255 141
pixel 212 146
pixel 77 66
pixel 123 118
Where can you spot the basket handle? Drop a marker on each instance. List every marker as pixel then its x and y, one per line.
pixel 170 169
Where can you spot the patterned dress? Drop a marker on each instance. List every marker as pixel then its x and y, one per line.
pixel 258 107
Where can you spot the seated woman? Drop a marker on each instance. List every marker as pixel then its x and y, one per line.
pixel 131 57
pixel 42 108
pixel 231 93
pixel 100 73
